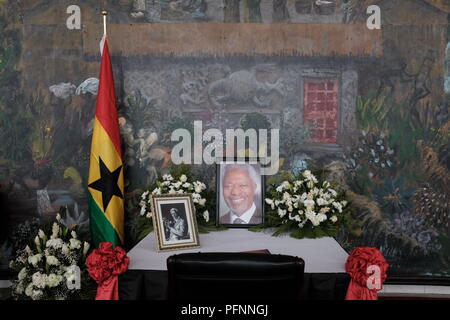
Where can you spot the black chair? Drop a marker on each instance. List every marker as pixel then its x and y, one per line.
pixel 234 276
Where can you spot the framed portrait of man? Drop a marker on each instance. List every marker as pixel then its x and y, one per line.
pixel 174 222
pixel 240 193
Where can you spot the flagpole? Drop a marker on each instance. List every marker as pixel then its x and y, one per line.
pixel 104 13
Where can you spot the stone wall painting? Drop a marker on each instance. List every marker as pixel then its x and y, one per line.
pixel 371 107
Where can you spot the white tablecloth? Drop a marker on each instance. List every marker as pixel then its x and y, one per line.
pixel 322 255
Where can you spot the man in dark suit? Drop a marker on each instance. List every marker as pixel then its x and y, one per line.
pixel 239 189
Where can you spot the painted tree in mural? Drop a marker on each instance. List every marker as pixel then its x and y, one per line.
pixel 252 11
pixel 280 11
pixel 231 11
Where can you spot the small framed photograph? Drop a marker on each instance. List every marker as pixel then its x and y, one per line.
pixel 240 193
pixel 174 222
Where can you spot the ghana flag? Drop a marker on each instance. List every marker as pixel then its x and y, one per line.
pixel 105 182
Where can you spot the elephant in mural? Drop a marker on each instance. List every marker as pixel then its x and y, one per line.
pixel 243 87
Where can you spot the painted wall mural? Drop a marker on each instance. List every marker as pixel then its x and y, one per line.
pixel 370 106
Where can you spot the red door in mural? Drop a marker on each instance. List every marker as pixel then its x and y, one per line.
pixel 321 109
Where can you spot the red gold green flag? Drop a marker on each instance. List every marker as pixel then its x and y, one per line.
pixel 105 182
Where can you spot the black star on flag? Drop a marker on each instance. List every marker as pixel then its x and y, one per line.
pixel 107 184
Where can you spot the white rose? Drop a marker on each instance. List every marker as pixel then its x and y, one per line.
pixel 333 219
pixel 52 261
pixel 206 215
pixel 198 189
pixel 75 244
pixel 183 178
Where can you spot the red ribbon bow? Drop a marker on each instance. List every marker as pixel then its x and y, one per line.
pixel 105 264
pixel 367 268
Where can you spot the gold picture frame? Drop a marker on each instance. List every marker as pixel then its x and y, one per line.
pixel 174 222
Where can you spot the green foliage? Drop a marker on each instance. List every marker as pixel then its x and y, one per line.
pixel 371 113
pixel 255 121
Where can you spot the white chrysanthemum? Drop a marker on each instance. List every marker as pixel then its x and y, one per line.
pixel 321 202
pixel 53 280
pixel 34 259
pixel 206 215
pixel 75 244
pixel 156 191
pixel 183 178
pixel 39 280
pixel 54 243
pixel 309 203
pixel 52 260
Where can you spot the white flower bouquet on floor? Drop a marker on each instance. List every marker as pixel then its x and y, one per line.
pixel 52 267
pixel 305 207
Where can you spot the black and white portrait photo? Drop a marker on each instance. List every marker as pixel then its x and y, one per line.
pixel 240 194
pixel 174 222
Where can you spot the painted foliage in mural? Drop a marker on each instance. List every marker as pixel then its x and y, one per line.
pixel 370 106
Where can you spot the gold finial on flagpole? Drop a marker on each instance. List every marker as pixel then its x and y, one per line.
pixel 104 13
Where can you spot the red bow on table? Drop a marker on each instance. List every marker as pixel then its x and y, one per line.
pixel 367 268
pixel 105 264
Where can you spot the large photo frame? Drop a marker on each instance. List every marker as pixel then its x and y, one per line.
pixel 240 192
pixel 174 222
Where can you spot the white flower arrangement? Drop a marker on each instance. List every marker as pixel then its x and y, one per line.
pixel 305 206
pixel 42 268
pixel 182 185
